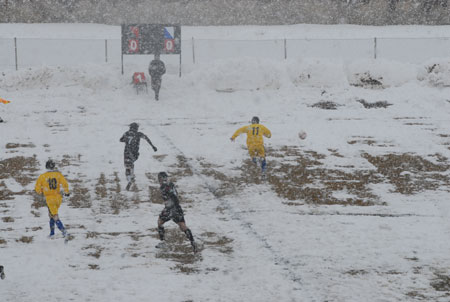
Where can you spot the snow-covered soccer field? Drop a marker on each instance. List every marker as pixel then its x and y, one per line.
pixel 358 211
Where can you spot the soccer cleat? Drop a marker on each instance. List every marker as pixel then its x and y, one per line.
pixel 2 272
pixel 194 246
pixel 66 236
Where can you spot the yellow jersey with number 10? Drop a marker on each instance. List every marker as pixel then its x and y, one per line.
pixel 49 184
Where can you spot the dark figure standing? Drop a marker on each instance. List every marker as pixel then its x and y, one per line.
pixel 172 210
pixel 156 71
pixel 132 139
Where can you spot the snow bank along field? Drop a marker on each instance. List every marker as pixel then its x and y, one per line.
pixel 358 211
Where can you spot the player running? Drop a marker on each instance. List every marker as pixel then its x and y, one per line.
pixel 172 210
pixel 132 139
pixel 255 143
pixel 49 184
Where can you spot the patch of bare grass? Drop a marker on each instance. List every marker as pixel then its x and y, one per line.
pixel 94 250
pixel 410 173
pixel 7 219
pixel 21 169
pixel 441 283
pixel 15 145
pixel 79 197
pixel 378 104
pixel 327 105
pixel 366 80
pixel 25 239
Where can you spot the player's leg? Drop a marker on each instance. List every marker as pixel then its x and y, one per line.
pixel 158 87
pixel 262 155
pixel 129 170
pixel 179 219
pixel 252 151
pixel 155 87
pixel 53 206
pixel 163 218
pixel 161 231
pixel 52 224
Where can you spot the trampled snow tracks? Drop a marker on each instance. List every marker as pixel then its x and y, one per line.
pixel 277 259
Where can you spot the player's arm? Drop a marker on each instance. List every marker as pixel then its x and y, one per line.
pixel 238 132
pixel 38 186
pixel 123 139
pixel 148 141
pixel 172 192
pixel 64 184
pixel 266 132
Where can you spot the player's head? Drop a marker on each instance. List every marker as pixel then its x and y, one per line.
pixel 162 177
pixel 255 120
pixel 134 126
pixel 50 165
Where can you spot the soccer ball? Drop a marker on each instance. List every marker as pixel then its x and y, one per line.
pixel 302 134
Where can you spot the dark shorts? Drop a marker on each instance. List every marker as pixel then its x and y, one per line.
pixel 175 214
pixel 129 160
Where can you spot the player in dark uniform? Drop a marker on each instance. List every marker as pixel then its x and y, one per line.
pixel 132 139
pixel 156 70
pixel 172 210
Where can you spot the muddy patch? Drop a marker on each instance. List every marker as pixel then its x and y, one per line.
pixel 93 250
pixel 366 80
pixel 374 105
pixel 410 173
pixel 5 193
pixel 22 169
pixel 109 192
pixel 298 176
pixel 179 250
pixel 326 105
pixel 181 168
pixel 441 283
pixel 370 141
pixel 25 239
pixel 16 145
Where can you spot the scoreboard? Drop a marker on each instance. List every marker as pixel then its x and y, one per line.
pixel 150 39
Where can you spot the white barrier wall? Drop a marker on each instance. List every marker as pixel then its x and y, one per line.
pixel 62 52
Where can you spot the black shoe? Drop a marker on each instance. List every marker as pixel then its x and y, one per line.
pixel 194 246
pixel 2 272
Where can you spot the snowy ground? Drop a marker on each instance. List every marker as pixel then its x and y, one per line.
pixel 359 211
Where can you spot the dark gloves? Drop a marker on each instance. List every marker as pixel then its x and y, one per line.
pixel 154 149
pixel 67 194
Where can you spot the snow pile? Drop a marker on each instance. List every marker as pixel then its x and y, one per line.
pixel 93 77
pixel 436 73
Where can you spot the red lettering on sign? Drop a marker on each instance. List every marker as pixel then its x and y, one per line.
pixel 133 45
pixel 169 45
pixel 135 31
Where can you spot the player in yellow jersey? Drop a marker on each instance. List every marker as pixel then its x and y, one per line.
pixel 255 142
pixel 49 184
